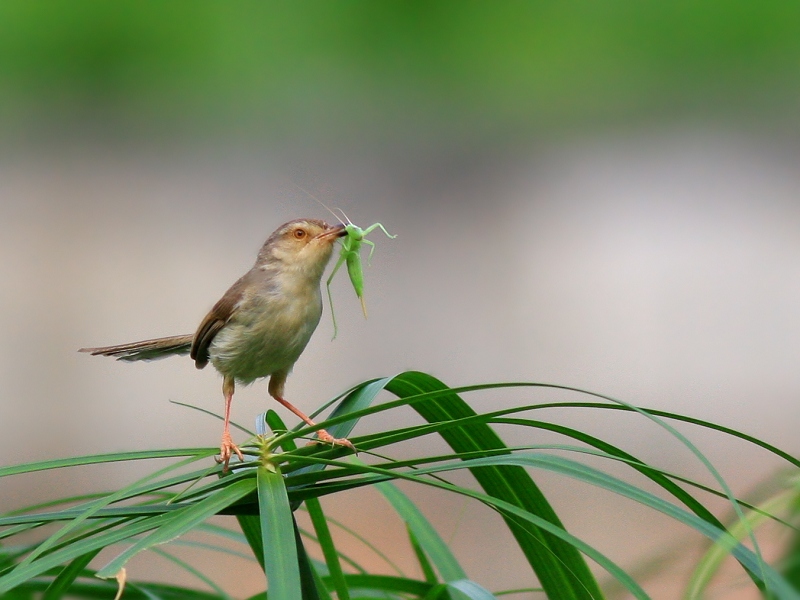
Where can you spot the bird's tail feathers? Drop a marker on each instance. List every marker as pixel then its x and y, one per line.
pixel 147 349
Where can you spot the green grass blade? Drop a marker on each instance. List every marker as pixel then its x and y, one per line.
pixel 75 549
pixel 339 397
pixel 311 582
pixel 222 532
pixel 96 459
pixel 561 569
pixel 360 398
pixel 179 522
pixel 96 505
pixel 794 461
pixel 278 537
pixel 328 548
pixel 277 425
pixel 62 583
pixel 710 563
pixel 251 524
pixel 612 405
pixel 613 451
pixel 595 477
pixel 355 401
pixel 424 563
pixel 183 565
pixel 471 590
pixel 251 528
pixel 760 565
pixel 427 537
pixel 214 547
pixel 105 513
pixel 369 545
pixel 510 511
pixel 389 584
pixel 105 590
pixel 344 558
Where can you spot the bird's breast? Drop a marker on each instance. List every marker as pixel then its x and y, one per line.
pixel 267 332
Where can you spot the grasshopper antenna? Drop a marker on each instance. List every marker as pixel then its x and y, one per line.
pixel 321 203
pixel 346 218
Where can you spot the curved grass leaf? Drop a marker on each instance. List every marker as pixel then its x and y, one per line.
pixel 359 398
pixel 389 584
pixel 369 545
pixel 710 563
pixel 62 583
pixel 180 521
pixel 470 589
pixel 96 459
pixel 794 461
pixel 313 586
pixel 328 548
pixel 424 533
pixel 105 590
pixel 74 549
pixel 183 565
pixel 595 477
pixel 510 511
pixel 425 565
pixel 96 505
pixel 560 568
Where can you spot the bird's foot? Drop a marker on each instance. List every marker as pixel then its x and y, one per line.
pixel 323 437
pixel 226 449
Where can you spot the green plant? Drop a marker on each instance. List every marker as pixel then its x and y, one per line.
pixel 278 478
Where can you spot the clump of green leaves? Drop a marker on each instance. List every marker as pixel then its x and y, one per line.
pixel 264 492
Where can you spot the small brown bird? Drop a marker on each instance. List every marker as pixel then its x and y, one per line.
pixel 261 325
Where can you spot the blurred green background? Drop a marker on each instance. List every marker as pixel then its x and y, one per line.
pixel 604 195
pixel 452 71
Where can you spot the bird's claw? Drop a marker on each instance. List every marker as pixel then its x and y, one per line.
pixel 226 449
pixel 323 437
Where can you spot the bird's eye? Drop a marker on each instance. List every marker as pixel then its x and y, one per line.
pixel 300 233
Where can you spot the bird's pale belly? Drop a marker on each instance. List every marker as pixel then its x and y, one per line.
pixel 267 341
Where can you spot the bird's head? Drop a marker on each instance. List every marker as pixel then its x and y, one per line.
pixel 302 245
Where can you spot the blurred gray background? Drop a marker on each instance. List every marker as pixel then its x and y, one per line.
pixel 601 198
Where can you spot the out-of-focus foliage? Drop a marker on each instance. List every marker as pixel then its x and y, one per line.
pixel 792 559
pixel 511 66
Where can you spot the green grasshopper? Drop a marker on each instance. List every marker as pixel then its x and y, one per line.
pixel 351 254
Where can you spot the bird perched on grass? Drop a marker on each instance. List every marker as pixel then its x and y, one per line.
pixel 261 325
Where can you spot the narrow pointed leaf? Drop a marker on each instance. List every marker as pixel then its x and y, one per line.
pixel 424 532
pixel 277 537
pixel 96 459
pixel 328 548
pixel 471 590
pixel 424 563
pixel 62 583
pixel 181 521
pixel 561 569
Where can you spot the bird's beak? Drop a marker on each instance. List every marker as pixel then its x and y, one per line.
pixel 333 231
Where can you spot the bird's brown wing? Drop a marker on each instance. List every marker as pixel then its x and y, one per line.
pixel 215 320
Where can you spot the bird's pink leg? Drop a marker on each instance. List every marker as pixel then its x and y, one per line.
pixel 227 447
pixel 276 383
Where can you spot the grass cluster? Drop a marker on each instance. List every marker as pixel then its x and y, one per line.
pixel 278 478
